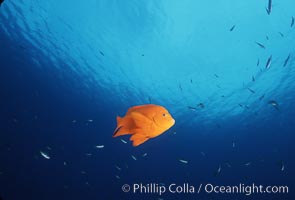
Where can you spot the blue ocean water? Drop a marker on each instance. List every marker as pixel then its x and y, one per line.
pixel 225 70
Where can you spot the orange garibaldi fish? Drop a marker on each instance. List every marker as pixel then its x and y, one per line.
pixel 144 122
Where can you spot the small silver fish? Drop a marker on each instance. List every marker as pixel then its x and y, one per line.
pixel 274 104
pixel 144 155
pixel 234 144
pixel 192 108
pixel 268 62
pixel 252 91
pixel 287 60
pixel 45 155
pixel 228 164
pixel 133 157
pixel 269 6
pixel 201 105
pixel 282 166
pixel 260 45
pixel 183 161
pixel 218 171
pixel 261 97
pixel 118 168
pixel 99 146
pixel 125 142
pixel 248 163
pixel 281 34
pixel 232 28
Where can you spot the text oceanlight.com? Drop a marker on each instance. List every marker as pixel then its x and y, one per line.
pixel 186 188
